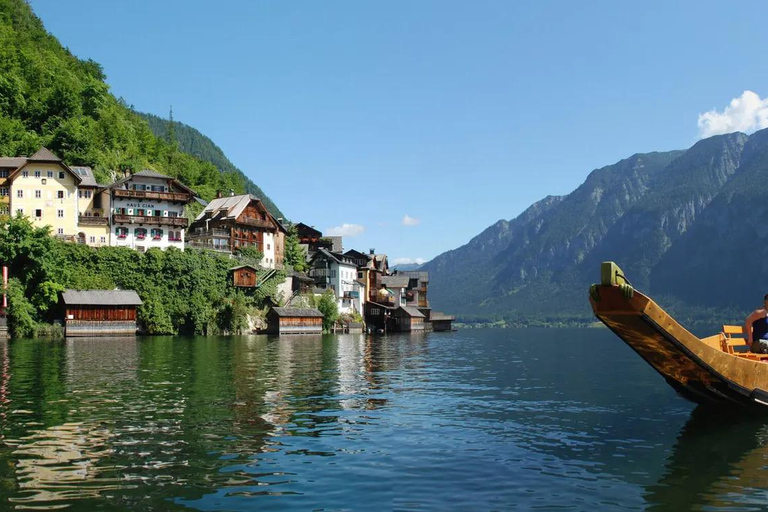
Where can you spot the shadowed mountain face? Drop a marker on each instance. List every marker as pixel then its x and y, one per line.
pixel 688 225
pixel 191 141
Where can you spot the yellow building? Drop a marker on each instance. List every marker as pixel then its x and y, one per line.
pixel 93 206
pixel 44 189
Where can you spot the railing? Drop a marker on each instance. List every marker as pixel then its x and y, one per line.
pixel 147 194
pixel 182 222
pixel 255 222
pixel 209 247
pixel 201 232
pixel 82 220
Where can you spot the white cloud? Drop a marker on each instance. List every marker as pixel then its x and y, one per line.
pixel 410 221
pixel 407 261
pixel 746 113
pixel 349 230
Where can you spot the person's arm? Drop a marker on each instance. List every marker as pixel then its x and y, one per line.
pixel 748 327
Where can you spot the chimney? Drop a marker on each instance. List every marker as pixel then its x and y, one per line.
pixel 373 251
pixel 218 194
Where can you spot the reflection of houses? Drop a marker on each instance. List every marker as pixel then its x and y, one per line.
pixel 234 222
pixel 148 211
pixel 294 321
pixel 337 272
pixel 100 312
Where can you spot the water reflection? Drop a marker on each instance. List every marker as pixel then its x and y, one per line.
pixel 720 461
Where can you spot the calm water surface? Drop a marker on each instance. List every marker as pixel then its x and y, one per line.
pixel 522 419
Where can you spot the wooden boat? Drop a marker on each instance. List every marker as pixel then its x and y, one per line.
pixel 708 371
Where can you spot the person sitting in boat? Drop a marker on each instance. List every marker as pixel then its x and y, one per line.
pixel 756 329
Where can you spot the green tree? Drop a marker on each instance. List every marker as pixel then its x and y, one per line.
pixel 330 310
pixel 294 253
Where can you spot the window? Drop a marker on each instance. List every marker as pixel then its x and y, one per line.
pixel 4 210
pixel 158 213
pixel 61 175
pixel 173 214
pixel 87 194
pixel 60 214
pixel 140 233
pixel 157 234
pixel 60 194
pixel 359 275
pixel 44 181
pixel 268 246
pixel 3 173
pixel 38 194
pixel 20 211
pixel 60 231
pixel 37 174
pixel 121 232
pixel 92 239
pixel 3 191
pixel 50 174
pixel 39 214
pixel 20 194
pixel 103 240
pixel 25 174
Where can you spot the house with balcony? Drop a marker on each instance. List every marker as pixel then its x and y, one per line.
pixel 148 211
pixel 337 272
pixel 233 222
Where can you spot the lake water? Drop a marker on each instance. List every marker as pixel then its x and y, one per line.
pixel 528 419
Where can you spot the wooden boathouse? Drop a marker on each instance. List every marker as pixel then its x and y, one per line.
pixel 244 276
pixel 294 321
pixel 408 318
pixel 100 312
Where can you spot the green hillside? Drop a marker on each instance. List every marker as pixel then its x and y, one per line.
pixel 49 97
pixel 196 144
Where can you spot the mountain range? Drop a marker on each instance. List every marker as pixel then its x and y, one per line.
pixel 686 226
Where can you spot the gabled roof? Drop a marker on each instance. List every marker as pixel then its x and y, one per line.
pixel 101 298
pixel 148 173
pixel 86 175
pixel 255 269
pixel 395 281
pixel 307 230
pixel 334 256
pixel 44 155
pixel 412 311
pixel 298 312
pixel 14 162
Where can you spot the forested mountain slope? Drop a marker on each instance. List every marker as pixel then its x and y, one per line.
pixel 193 142
pixel 49 97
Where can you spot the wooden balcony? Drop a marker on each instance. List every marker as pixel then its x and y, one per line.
pixel 256 222
pixel 147 194
pixel 179 222
pixel 82 220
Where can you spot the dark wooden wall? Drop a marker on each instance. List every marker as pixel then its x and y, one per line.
pixel 102 313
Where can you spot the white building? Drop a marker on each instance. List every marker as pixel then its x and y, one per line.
pixel 337 272
pixel 148 211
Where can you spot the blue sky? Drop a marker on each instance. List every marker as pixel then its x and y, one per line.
pixel 415 125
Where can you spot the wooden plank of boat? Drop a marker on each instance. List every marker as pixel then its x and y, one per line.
pixel 699 369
